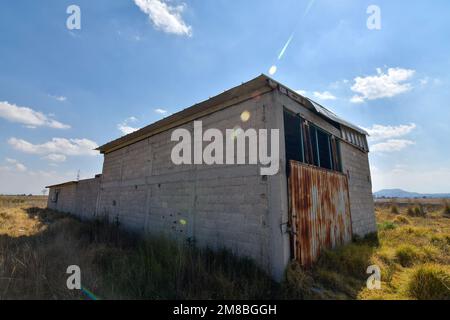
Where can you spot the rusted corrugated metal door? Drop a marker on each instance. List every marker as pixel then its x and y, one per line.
pixel 319 211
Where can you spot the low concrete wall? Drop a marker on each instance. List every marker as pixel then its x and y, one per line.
pixel 63 198
pixel 78 198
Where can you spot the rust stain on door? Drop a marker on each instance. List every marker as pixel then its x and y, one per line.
pixel 319 211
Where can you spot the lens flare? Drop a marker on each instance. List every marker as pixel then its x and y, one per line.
pixel 285 47
pixel 273 70
pixel 236 132
pixel 89 294
pixel 245 116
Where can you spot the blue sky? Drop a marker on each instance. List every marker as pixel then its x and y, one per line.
pixel 62 92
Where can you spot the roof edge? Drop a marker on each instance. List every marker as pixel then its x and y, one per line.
pixel 62 184
pixel 254 87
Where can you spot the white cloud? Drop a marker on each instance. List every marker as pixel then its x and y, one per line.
pixel 61 146
pixel 379 132
pixel 161 111
pixel 14 165
pixel 28 117
pixel 430 81
pixel 165 17
pixel 32 181
pixel 338 84
pixel 391 145
pixel 424 81
pixel 302 92
pixel 324 95
pixel 357 99
pixel 58 98
pixel 54 157
pixel 125 128
pixel 382 85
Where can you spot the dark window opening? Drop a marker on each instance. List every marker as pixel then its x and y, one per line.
pixel 315 150
pixel 55 196
pixel 309 144
pixel 336 154
pixel 323 145
pixel 293 137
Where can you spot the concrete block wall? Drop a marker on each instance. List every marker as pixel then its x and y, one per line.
pixel 86 198
pixel 355 164
pixel 66 199
pixel 215 205
pixel 78 198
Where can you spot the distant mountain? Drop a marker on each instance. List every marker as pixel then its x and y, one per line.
pixel 399 193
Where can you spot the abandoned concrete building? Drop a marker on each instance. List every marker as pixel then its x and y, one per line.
pixel 320 197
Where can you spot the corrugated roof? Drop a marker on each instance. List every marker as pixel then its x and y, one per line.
pixel 248 90
pixel 330 115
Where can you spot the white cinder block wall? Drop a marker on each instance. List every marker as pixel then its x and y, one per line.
pixel 66 198
pixel 355 163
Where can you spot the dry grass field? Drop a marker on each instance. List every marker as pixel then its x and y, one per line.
pixel 37 245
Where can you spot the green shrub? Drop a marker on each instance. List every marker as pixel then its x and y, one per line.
pixel 429 282
pixel 386 225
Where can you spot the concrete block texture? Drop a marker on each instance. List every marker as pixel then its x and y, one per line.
pixel 355 164
pixel 217 206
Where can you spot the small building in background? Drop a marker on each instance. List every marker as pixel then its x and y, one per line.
pixel 320 197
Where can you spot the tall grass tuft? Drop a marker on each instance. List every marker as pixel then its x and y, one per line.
pixel 447 208
pixel 402 220
pixel 406 255
pixel 298 283
pixel 429 282
pixel 394 209
pixel 417 211
pixel 160 268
